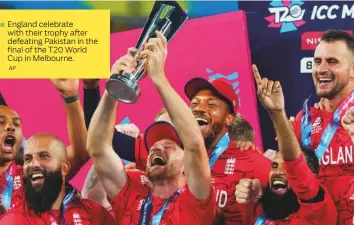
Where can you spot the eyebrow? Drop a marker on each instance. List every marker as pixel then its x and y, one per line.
pixel 14 118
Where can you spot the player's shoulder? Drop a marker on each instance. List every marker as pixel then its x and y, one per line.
pixel 14 217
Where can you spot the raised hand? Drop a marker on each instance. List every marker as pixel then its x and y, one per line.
pixel 126 63
pixel 269 92
pixel 156 52
pixel 66 87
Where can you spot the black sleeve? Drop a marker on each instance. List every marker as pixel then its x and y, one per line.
pixel 318 198
pixel 91 100
pixel 2 100
pixel 120 141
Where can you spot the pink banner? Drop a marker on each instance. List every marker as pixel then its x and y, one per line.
pixel 214 47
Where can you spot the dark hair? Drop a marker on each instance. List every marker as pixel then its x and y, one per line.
pixel 241 130
pixel 312 161
pixel 339 35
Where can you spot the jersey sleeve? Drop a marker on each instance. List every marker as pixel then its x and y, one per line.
pixel 133 188
pixel 301 178
pixel 91 100
pixel 106 217
pixel 13 218
pixel 202 210
pixel 141 153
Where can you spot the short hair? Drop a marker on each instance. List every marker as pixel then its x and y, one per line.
pixel 241 130
pixel 339 35
pixel 160 113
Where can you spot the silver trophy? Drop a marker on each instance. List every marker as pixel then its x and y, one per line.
pixel 167 17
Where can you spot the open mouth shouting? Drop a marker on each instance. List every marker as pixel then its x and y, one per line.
pixel 8 144
pixel 158 160
pixel 279 185
pixel 202 121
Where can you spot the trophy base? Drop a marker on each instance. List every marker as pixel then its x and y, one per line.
pixel 123 87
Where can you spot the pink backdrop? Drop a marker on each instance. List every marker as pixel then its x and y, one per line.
pixel 210 46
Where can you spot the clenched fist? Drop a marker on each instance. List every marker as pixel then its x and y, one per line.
pixel 248 190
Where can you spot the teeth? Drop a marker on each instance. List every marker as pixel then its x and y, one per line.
pixel 201 119
pixel 37 175
pixel 278 182
pixel 159 157
pixel 325 79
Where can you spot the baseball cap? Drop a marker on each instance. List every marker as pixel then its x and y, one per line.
pixel 158 131
pixel 221 88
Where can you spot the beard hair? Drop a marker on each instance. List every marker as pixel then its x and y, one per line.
pixel 336 89
pixel 168 173
pixel 277 207
pixel 215 130
pixel 43 199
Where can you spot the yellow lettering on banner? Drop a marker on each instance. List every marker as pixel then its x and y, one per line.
pixel 54 43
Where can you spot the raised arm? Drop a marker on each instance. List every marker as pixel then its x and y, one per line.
pixel 106 162
pixel 196 164
pixel 301 179
pixel 77 153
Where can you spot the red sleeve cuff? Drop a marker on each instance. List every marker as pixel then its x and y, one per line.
pixel 301 179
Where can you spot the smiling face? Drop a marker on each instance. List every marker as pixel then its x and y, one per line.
pixel 278 181
pixel 10 133
pixel 333 68
pixel 165 160
pixel 212 114
pixel 45 167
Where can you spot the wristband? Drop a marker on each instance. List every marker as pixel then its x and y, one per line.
pixel 70 99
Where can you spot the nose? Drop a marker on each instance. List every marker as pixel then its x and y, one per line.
pixel 10 127
pixel 322 68
pixel 200 107
pixel 34 163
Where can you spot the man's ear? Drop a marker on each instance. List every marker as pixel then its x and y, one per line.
pixel 229 120
pixel 65 168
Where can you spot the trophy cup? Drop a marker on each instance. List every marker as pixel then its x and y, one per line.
pixel 167 17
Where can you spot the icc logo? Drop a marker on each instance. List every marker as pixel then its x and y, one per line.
pixel 286 15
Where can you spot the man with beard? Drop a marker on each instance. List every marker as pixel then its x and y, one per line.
pixel 49 198
pixel 333 76
pixel 294 194
pixel 11 138
pixel 214 105
pixel 177 189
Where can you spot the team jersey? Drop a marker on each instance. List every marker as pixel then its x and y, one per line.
pixel 336 166
pixel 232 166
pixel 306 186
pixel 11 183
pixel 79 211
pixel 183 209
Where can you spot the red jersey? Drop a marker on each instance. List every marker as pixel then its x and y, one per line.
pixel 184 210
pixel 14 175
pixel 232 166
pixel 229 168
pixel 336 165
pixel 306 186
pixel 79 211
